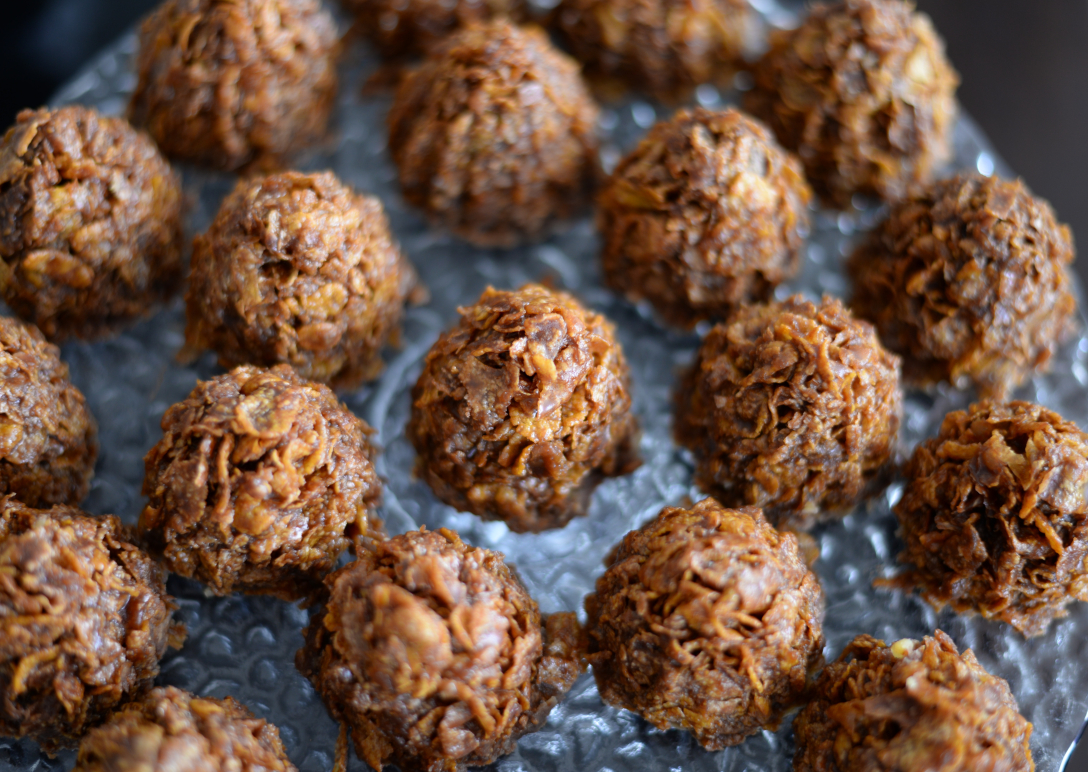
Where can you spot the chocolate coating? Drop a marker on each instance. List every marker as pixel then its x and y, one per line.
pixel 706 619
pixel 260 481
pixel 434 654
pixel 84 620
pixel 995 515
pixel 298 269
pixel 793 407
pixel 90 222
pixel 48 437
pixel 522 408
pixel 910 706
pixel 968 279
pixel 400 28
pixel 706 213
pixel 494 135
pixel 172 731
pixel 863 93
pixel 659 47
pixel 230 83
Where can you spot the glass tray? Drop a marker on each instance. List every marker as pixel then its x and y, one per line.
pixel 245 647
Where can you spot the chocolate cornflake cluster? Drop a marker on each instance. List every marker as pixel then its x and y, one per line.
pixel 862 91
pixel 48 437
pixel 995 515
pixel 259 483
pixel 968 279
pixel 90 222
pixel 298 269
pixel 495 135
pixel 706 213
pixel 84 620
pixel 231 83
pixel 170 730
pixel 706 619
pixel 400 28
pixel 658 47
pixel 910 706
pixel 434 655
pixel 522 409
pixel 794 407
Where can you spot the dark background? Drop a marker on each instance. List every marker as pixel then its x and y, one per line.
pixel 1024 66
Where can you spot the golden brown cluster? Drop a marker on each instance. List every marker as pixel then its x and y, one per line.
pixel 400 28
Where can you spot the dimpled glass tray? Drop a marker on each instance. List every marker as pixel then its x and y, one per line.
pixel 245 647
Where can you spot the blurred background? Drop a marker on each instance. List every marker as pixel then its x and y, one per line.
pixel 1024 67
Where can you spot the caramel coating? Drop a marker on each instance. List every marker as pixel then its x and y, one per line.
pixel 523 408
pixel 863 93
pixel 995 515
pixel 260 481
pixel 231 83
pixel 910 706
pixel 706 213
pixel 48 437
pixel 494 135
pixel 90 222
pixel 298 269
pixel 794 407
pixel 400 28
pixel 660 47
pixel 708 620
pixel 434 654
pixel 968 279
pixel 172 731
pixel 84 621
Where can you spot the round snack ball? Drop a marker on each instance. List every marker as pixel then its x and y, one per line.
pixel 995 515
pixel 706 213
pixel 434 655
pixel 48 437
pixel 90 222
pixel 99 621
pixel 659 47
pixel 172 731
pixel 706 619
pixel 913 705
pixel 968 279
pixel 793 407
pixel 298 269
pixel 494 135
pixel 260 481
pixel 229 83
pixel 862 91
pixel 401 28
pixel 522 409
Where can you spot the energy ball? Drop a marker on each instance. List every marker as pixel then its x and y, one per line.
pixel 172 731
pixel 913 705
pixel 90 222
pixel 659 47
pixel 260 481
pixel 968 280
pixel 708 620
pixel 48 437
pixel 298 269
pixel 495 135
pixel 862 91
pixel 434 655
pixel 232 83
pixel 400 28
pixel 84 620
pixel 995 515
pixel 706 213
pixel 793 407
pixel 522 409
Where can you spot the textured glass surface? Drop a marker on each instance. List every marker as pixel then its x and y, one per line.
pixel 245 646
